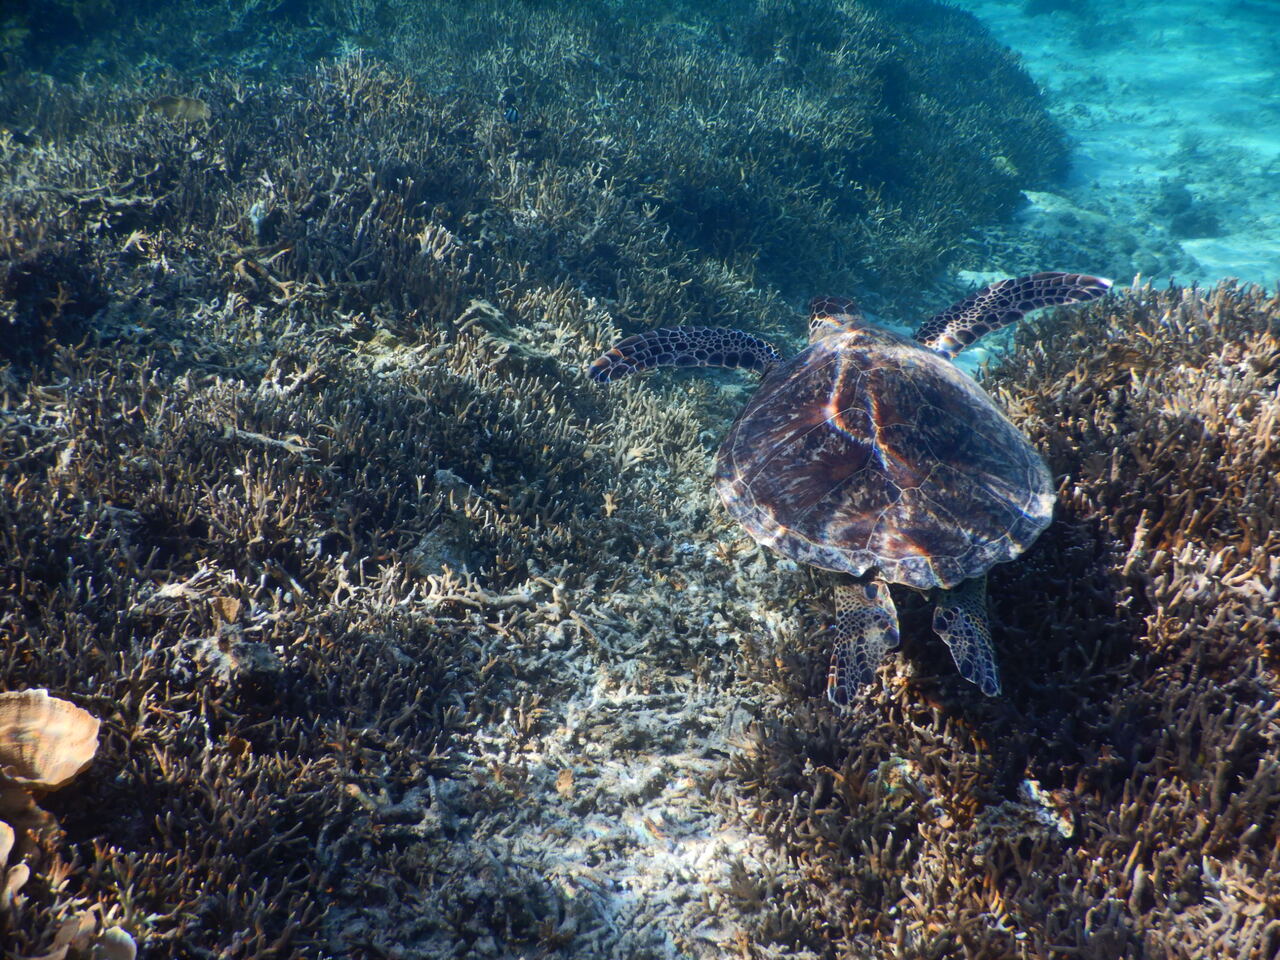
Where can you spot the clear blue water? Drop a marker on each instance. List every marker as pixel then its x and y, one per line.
pixel 1174 112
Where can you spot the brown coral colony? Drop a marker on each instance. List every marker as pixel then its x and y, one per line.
pixel 342 616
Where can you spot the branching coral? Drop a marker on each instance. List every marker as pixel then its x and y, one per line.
pixel 1142 634
pixel 304 493
pixel 811 145
pixel 298 505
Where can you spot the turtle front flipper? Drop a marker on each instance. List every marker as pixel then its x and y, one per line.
pixel 960 619
pixel 1004 303
pixel 866 629
pixel 683 347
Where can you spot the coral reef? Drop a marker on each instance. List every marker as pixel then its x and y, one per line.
pixel 1123 800
pixel 406 641
pixel 300 472
pixel 817 143
pixel 824 133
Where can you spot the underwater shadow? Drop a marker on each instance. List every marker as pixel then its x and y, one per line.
pixel 933 807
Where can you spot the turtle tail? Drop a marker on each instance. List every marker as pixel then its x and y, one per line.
pixel 683 347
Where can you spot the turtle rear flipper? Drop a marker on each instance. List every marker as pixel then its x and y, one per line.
pixel 960 619
pixel 866 629
pixel 1004 303
pixel 683 347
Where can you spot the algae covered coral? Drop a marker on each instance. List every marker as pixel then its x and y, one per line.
pixel 404 640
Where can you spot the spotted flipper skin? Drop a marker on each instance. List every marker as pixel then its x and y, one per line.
pixel 960 619
pixel 866 629
pixel 1004 303
pixel 683 347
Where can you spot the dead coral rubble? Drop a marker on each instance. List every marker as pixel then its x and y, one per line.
pixel 1125 800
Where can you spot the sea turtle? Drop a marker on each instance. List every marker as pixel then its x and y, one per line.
pixel 872 454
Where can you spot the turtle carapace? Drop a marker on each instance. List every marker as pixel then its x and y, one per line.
pixel 872 455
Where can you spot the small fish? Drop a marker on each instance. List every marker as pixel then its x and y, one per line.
pixel 180 108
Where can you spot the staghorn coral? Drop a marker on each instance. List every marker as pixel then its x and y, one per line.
pixel 303 492
pixel 180 108
pixel 231 509
pixel 1140 632
pixel 809 143
pixel 814 140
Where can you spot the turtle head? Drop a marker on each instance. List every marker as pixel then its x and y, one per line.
pixel 828 315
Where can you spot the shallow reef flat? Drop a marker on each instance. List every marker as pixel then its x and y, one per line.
pixel 406 641
pixel 823 143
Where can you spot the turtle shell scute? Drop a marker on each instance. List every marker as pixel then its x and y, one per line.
pixel 869 451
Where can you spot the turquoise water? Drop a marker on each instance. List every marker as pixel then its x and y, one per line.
pixel 1174 113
